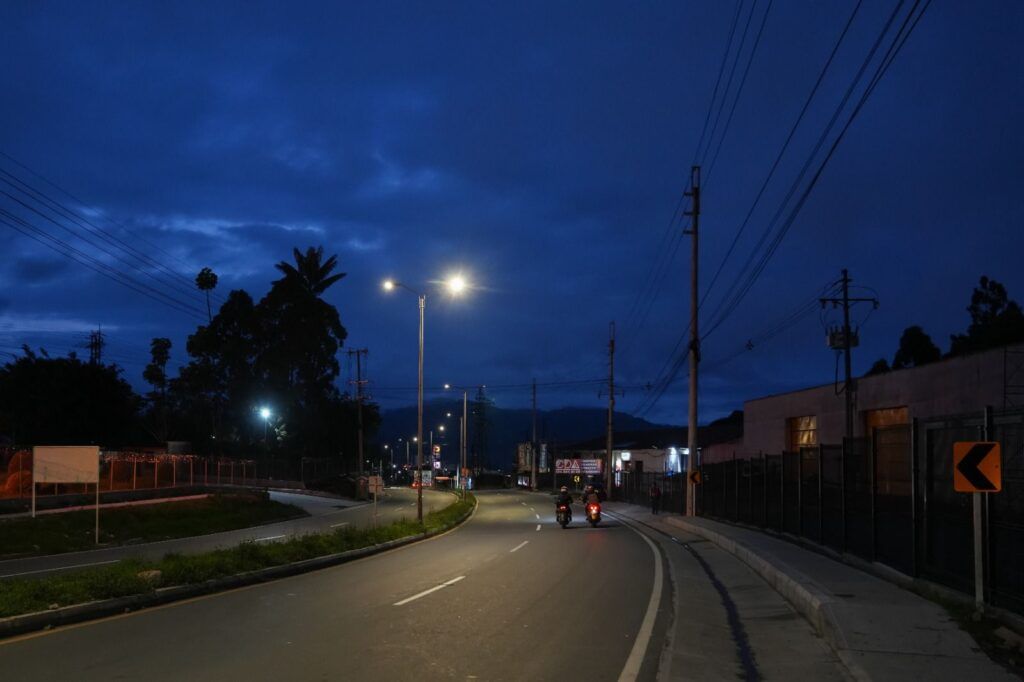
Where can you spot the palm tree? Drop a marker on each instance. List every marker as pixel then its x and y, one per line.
pixel 311 272
pixel 206 280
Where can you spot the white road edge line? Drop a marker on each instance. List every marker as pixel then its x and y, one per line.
pixel 343 523
pixel 643 636
pixel 519 546
pixel 272 537
pixel 538 526
pixel 59 568
pixel 424 593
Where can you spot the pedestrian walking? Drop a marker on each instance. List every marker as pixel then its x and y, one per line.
pixel 655 498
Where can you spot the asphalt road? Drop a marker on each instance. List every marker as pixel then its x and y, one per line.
pixel 508 596
pixel 325 513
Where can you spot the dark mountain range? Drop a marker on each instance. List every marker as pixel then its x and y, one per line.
pixel 506 428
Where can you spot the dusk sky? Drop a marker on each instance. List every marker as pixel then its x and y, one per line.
pixel 540 148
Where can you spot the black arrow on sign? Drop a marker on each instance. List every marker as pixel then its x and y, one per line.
pixel 968 466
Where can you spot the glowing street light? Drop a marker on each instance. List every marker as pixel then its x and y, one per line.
pixel 455 284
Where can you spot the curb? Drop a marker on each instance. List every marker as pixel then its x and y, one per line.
pixel 77 613
pixel 813 603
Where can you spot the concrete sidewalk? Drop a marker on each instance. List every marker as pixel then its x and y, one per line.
pixel 879 630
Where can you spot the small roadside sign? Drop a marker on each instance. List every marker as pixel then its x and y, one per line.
pixel 977 467
pixel 375 485
pixel 695 477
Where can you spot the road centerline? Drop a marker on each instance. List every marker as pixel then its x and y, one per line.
pixel 519 546
pixel 424 593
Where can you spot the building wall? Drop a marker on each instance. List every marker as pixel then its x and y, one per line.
pixel 953 386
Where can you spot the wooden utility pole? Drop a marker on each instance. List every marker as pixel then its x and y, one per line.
pixel 611 411
pixel 848 338
pixel 691 423
pixel 533 443
pixel 359 382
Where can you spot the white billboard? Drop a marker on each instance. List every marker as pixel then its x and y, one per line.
pixel 66 464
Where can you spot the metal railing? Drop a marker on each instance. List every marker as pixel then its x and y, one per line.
pixel 888 499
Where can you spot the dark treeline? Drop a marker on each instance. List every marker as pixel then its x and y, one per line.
pixel 996 321
pixel 280 353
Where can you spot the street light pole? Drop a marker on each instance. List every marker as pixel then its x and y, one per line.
pixel 456 284
pixel 419 418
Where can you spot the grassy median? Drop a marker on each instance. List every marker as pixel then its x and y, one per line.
pixel 132 576
pixel 74 531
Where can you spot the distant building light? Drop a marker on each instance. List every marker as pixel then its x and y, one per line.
pixel 624 456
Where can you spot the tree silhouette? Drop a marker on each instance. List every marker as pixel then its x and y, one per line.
pixel 996 320
pixel 881 366
pixel 206 280
pixel 65 401
pixel 155 374
pixel 310 272
pixel 916 349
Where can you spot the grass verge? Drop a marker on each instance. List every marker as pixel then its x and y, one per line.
pixel 74 531
pixel 131 577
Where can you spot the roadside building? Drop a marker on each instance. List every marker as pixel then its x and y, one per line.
pixel 817 415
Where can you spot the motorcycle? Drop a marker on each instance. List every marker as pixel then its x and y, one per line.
pixel 564 515
pixel 594 513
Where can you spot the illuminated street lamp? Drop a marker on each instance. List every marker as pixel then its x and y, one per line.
pixel 266 414
pixel 463 426
pixel 455 284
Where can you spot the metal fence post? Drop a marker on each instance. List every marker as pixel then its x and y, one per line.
pixel 735 489
pixel 842 496
pixel 821 503
pixel 782 492
pixel 914 537
pixel 764 490
pixel 750 490
pixel 799 493
pixel 874 486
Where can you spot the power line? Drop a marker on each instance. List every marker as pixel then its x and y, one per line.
pixel 24 227
pixel 909 23
pixel 782 151
pixel 174 279
pixel 739 90
pixel 132 233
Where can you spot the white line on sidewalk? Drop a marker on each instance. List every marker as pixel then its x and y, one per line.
pixel 272 537
pixel 59 568
pixel 519 546
pixel 343 523
pixel 424 593
pixel 538 526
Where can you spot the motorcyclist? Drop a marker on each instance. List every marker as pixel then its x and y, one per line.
pixel 564 498
pixel 591 495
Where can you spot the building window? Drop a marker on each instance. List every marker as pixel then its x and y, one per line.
pixel 890 416
pixel 801 432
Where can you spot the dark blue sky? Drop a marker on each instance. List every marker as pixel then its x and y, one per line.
pixel 538 147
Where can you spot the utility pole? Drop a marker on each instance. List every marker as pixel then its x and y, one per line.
pixel 359 382
pixel 96 344
pixel 846 339
pixel 611 411
pixel 533 443
pixel 691 423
